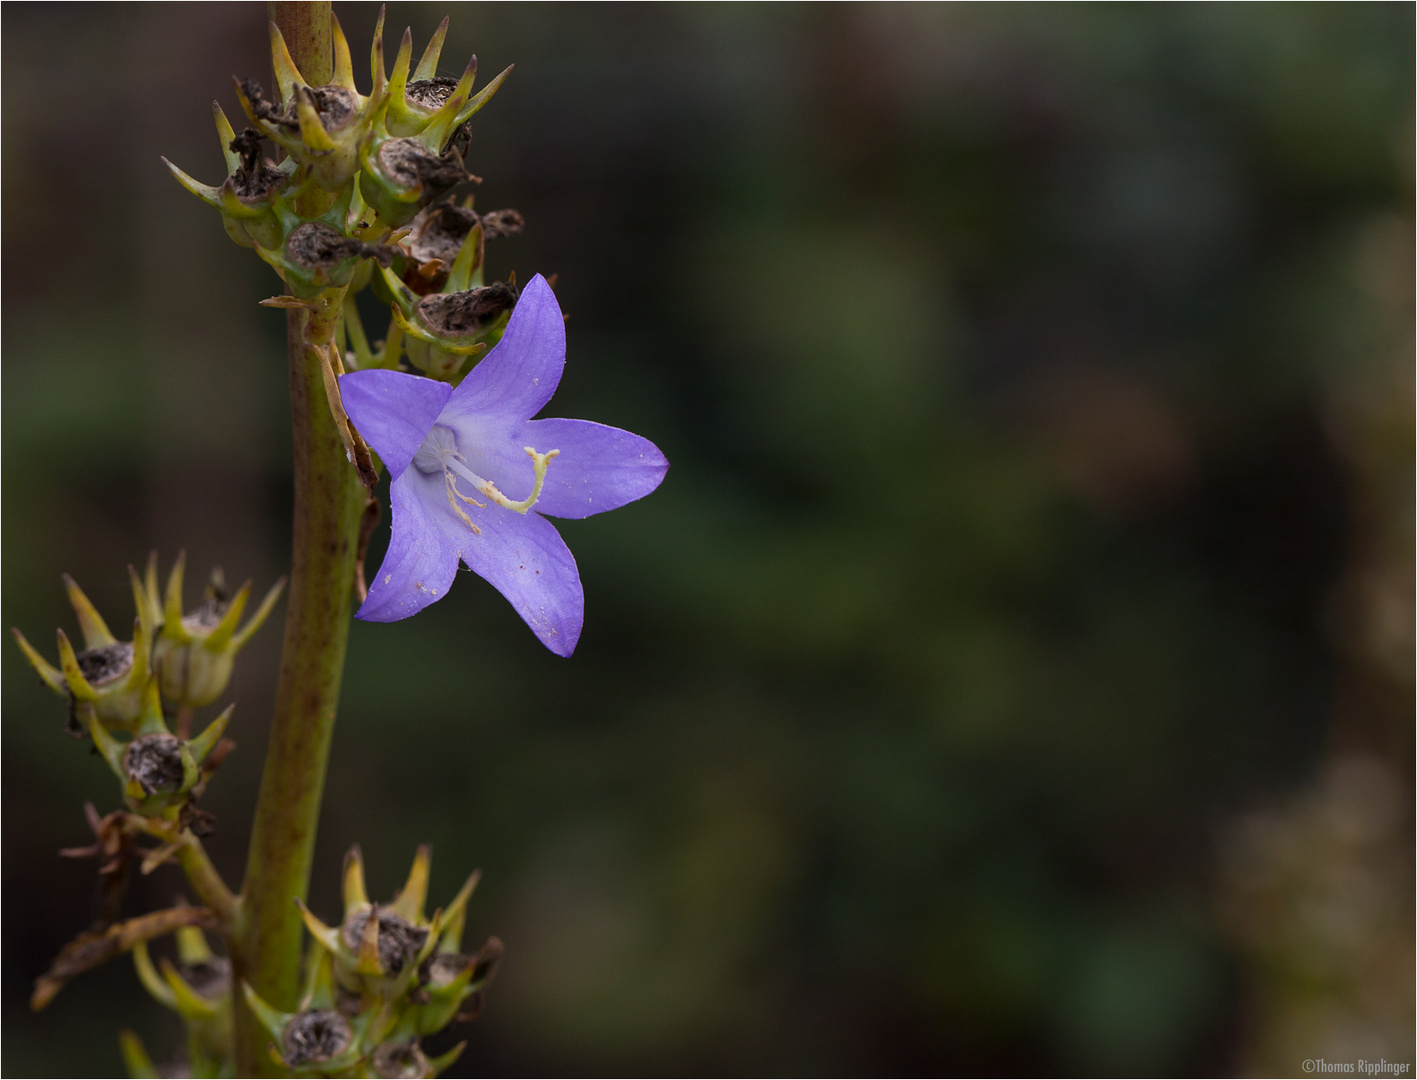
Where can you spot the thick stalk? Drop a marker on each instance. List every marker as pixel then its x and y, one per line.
pixel 329 501
pixel 306 29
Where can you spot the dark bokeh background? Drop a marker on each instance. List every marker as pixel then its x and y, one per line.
pixel 1014 673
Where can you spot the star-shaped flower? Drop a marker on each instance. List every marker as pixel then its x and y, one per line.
pixel 472 475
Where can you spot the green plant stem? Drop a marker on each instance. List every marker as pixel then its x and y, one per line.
pixel 195 863
pixel 329 502
pixel 210 888
pixel 306 29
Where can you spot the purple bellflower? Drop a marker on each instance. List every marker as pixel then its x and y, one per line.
pixel 471 475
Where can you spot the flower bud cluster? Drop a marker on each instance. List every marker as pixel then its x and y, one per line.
pixel 121 694
pixel 379 982
pixel 359 186
pixel 198 989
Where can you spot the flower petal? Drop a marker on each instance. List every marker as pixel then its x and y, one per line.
pixel 525 559
pixel 519 376
pixel 423 552
pixel 598 468
pixel 393 411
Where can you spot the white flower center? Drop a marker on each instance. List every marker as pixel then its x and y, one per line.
pixel 439 453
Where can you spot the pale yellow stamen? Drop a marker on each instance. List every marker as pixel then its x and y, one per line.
pixel 452 464
pixel 439 454
pixel 486 487
pixel 454 494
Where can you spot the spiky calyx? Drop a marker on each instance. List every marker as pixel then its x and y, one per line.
pixel 392 976
pixel 196 650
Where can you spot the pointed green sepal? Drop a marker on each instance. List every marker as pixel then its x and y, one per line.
pixel 273 1020
pixel 355 894
pixel 366 961
pixel 344 63
pixel 111 749
pixel 208 194
pixel 312 132
pixel 398 80
pixel 152 982
pixel 226 133
pixel 78 685
pixel 467 261
pixel 319 990
pixel 483 97
pixel 445 120
pixel 288 76
pixel 192 947
pixel 223 632
pixel 376 57
pixel 151 589
pixel 428 66
pixel 410 900
pixel 327 936
pixel 91 625
pixel 440 1064
pixel 150 720
pixel 135 1056
pixel 52 676
pixel 172 603
pixel 187 1001
pixel 142 648
pixel 456 913
pixel 148 616
pixel 244 634
pixel 202 745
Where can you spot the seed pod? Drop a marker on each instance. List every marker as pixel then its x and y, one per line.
pixel 198 989
pixel 107 677
pixel 196 652
pixel 311 1042
pixel 447 236
pixel 442 329
pixel 157 769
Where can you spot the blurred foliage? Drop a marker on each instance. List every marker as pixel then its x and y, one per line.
pixel 1037 386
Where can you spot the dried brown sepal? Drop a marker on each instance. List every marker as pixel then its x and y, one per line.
pixel 411 163
pixel 220 752
pixel 199 822
pixel 317 246
pixel 114 845
pixel 462 314
pixel 90 949
pixel 255 176
pixel 439 233
pixel 334 105
pixel 368 521
pixel 438 236
pixel 256 95
pixel 488 957
pixel 356 449
pixel 473 1008
pixel 499 223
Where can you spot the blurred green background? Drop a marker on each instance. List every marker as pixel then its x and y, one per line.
pixel 1014 672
